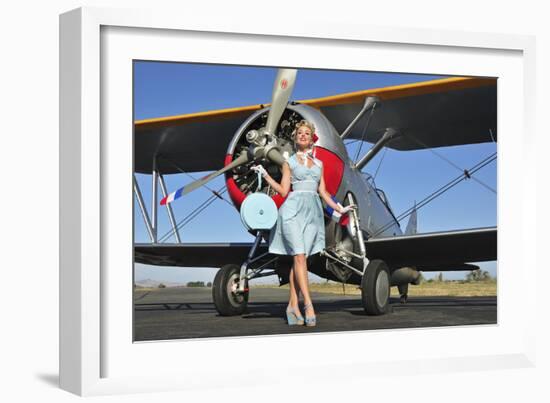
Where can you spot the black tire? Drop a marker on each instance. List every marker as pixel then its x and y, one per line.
pixel 375 288
pixel 227 302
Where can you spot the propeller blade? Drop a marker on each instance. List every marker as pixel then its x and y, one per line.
pixel 241 159
pixel 275 156
pixel 282 89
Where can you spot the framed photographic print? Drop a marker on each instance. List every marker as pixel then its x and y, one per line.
pixel 214 179
pixel 190 254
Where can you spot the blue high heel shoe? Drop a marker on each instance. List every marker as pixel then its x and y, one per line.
pixel 310 320
pixel 294 319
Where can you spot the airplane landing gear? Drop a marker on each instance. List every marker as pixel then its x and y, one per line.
pixel 228 300
pixel 375 288
pixel 230 287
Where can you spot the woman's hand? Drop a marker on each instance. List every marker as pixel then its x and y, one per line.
pixel 344 210
pixel 260 169
pixel 282 188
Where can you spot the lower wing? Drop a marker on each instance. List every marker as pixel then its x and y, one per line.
pixel 193 254
pixel 438 251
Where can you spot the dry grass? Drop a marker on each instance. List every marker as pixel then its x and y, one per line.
pixel 444 288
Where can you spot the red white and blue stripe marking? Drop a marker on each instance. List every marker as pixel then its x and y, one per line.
pixel 178 193
pixel 172 196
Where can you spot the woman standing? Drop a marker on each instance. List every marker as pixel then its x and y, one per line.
pixel 300 228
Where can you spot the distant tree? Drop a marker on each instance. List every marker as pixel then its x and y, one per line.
pixel 478 275
pixel 421 278
pixel 209 284
pixel 161 285
pixel 440 277
pixel 195 284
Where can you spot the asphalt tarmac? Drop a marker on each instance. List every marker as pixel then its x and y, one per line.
pixel 182 313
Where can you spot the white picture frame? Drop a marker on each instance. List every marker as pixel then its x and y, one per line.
pixel 96 355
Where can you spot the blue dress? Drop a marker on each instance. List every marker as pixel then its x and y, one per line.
pixel 300 224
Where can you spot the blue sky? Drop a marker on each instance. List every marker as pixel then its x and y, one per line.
pixel 165 89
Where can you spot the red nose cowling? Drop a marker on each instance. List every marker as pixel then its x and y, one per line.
pixel 332 173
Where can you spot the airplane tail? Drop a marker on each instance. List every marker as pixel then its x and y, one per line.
pixel 412 224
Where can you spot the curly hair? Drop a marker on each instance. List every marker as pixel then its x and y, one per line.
pixel 305 123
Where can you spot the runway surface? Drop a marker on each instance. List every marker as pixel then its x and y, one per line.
pixel 181 313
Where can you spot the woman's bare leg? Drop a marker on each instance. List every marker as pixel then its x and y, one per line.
pixel 293 298
pixel 294 294
pixel 300 269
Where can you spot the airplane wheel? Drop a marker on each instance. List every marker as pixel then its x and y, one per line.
pixel 224 287
pixel 375 288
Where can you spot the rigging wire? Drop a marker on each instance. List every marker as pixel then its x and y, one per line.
pixel 193 214
pixel 379 163
pixel 189 217
pixel 217 194
pixel 491 134
pixel 347 142
pixel 439 192
pixel 465 175
pixel 462 170
pixel 452 163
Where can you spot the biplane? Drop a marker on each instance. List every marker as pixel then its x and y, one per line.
pixel 367 247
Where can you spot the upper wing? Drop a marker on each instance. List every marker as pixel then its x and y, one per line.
pixel 445 112
pixel 436 113
pixel 438 250
pixel 186 138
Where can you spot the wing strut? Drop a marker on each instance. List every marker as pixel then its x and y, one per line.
pixel 389 135
pixel 370 103
pixel 169 210
pixel 189 217
pixel 144 214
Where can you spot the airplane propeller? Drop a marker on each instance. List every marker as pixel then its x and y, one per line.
pixel 282 89
pixel 241 159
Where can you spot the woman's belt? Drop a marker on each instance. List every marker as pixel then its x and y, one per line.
pixel 305 186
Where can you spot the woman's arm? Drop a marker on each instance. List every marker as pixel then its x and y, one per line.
pixel 326 195
pixel 284 187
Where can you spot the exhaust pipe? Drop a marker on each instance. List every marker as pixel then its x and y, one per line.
pixel 405 275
